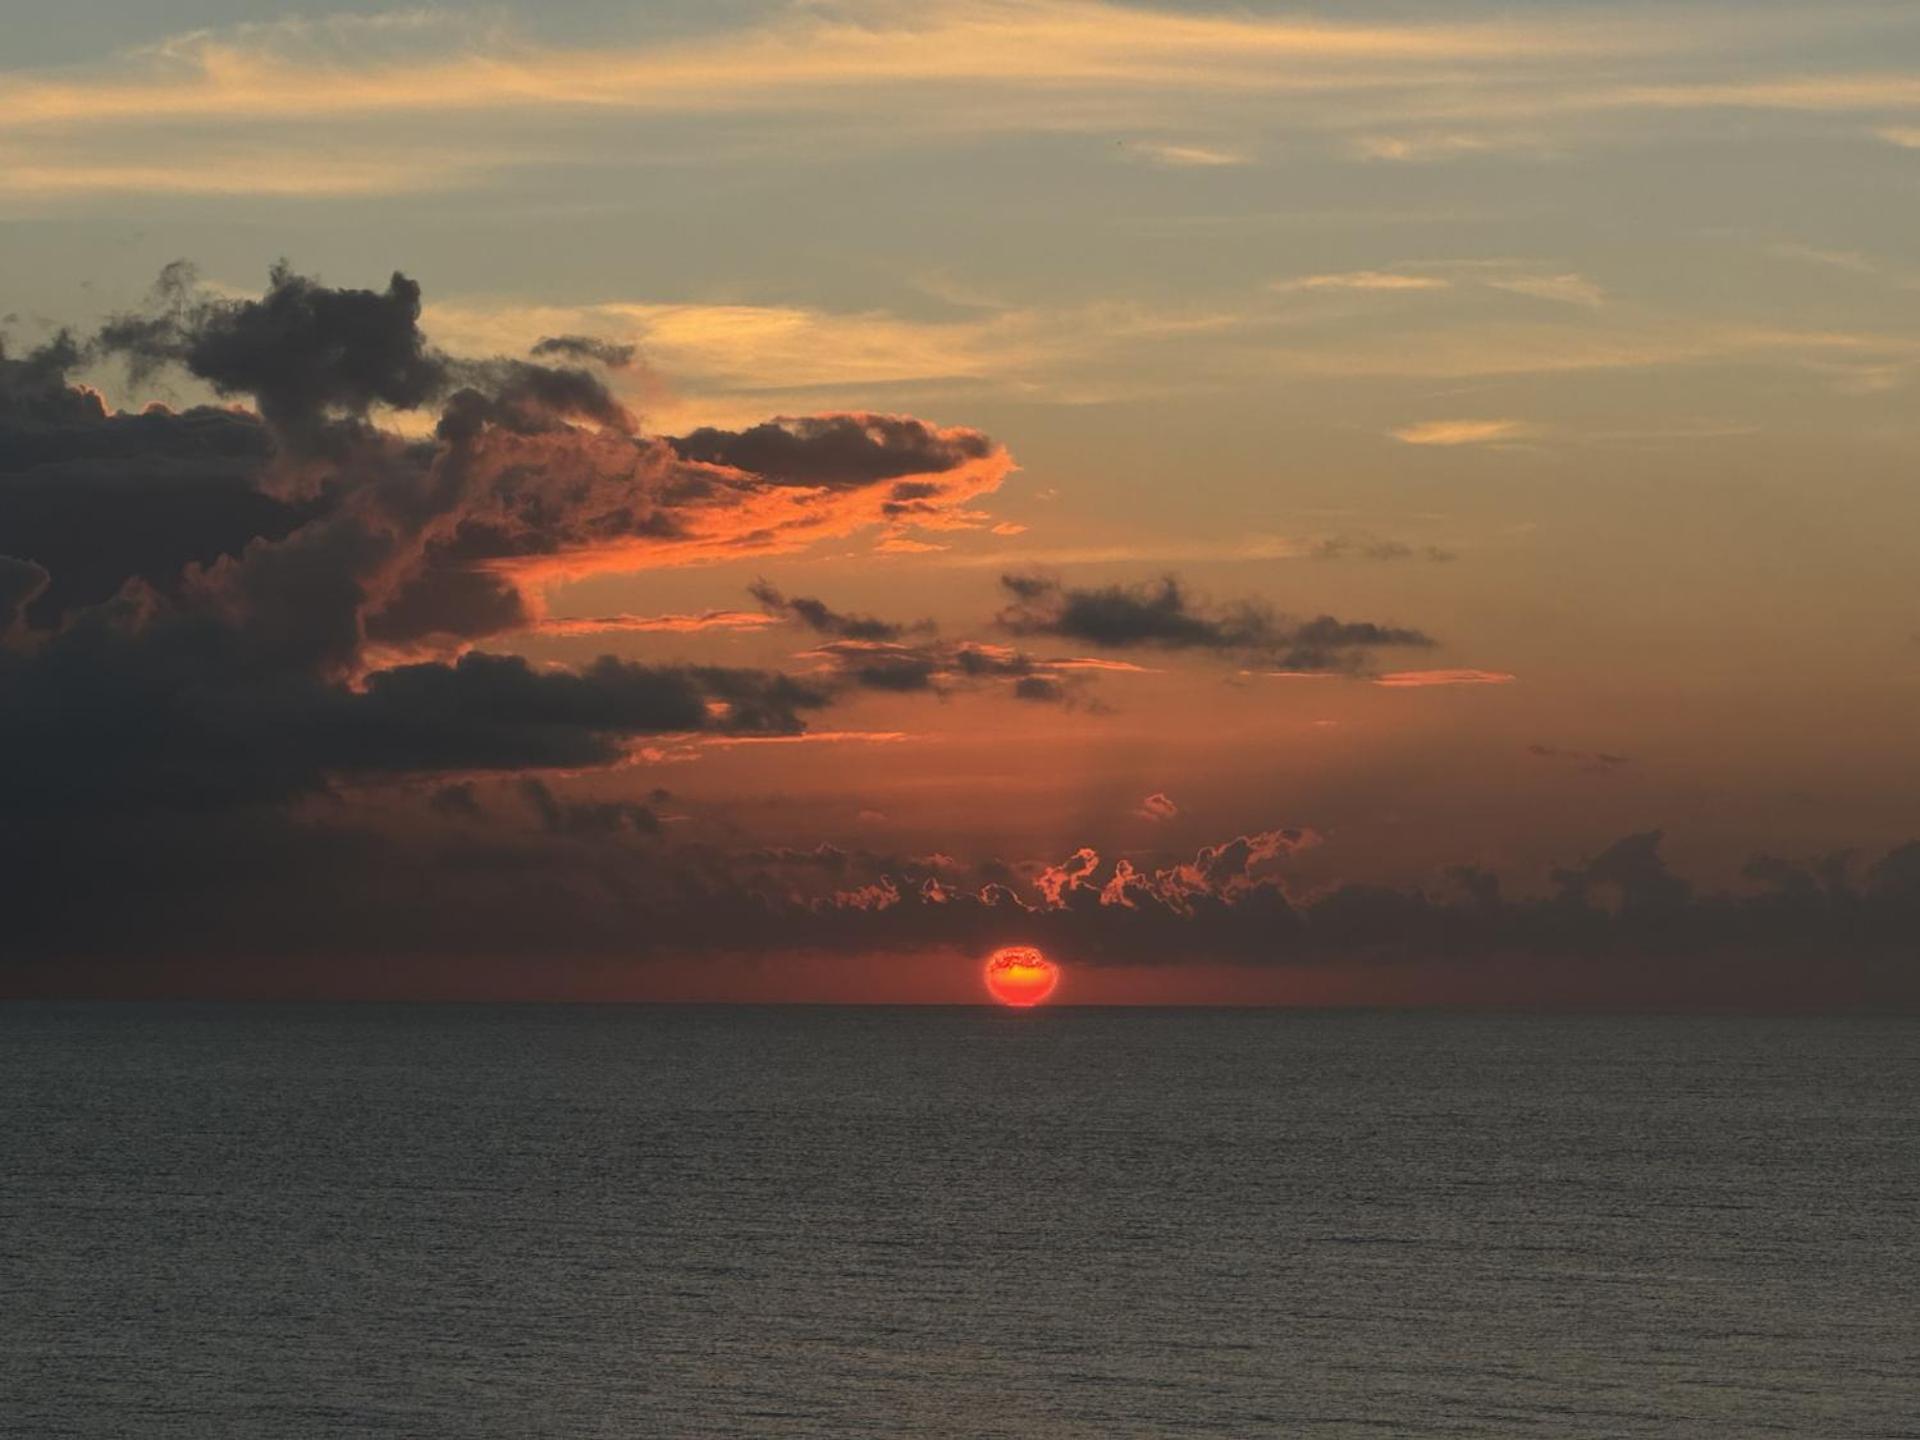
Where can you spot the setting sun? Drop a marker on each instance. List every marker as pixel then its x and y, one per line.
pixel 1020 975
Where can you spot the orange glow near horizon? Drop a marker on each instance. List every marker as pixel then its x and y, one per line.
pixel 1021 976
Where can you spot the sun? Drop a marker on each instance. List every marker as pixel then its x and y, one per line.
pixel 1020 975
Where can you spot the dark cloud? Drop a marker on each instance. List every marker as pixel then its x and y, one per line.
pixel 457 801
pixel 1040 689
pixel 1367 547
pixel 943 666
pixel 609 353
pixel 179 712
pixel 217 608
pixel 303 352
pixel 1161 614
pixel 21 582
pixel 1632 868
pixel 1593 762
pixel 837 450
pixel 872 654
pixel 34 389
pixel 818 616
pixel 98 498
pixel 527 398
pixel 587 817
pixel 534 468
pixel 591 878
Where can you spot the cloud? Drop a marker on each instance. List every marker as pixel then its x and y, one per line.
pixel 811 59
pixel 817 616
pixel 1593 762
pixel 51 171
pixel 21 583
pixel 842 450
pixel 302 352
pixel 687 624
pixel 1157 807
pixel 1188 156
pixel 610 353
pixel 218 607
pixel 539 472
pixel 941 667
pixel 466 100
pixel 1367 547
pixel 1162 615
pixel 1426 147
pixel 1564 289
pixel 1633 869
pixel 561 816
pixel 1419 679
pixel 1461 432
pixel 1379 280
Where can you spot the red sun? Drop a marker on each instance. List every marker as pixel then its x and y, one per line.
pixel 1021 975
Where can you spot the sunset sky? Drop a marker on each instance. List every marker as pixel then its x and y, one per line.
pixel 1203 490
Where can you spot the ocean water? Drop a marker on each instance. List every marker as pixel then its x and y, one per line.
pixel 528 1222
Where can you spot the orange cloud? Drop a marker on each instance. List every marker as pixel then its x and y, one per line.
pixel 1089 662
pixel 1366 280
pixel 655 624
pixel 1460 432
pixel 1417 679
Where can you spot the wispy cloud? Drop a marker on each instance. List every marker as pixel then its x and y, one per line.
pixel 817 56
pixel 1189 156
pixel 654 624
pixel 730 362
pixel 220 170
pixel 1851 261
pixel 1428 147
pixel 1420 679
pixel 1405 91
pixel 1461 432
pixel 1564 289
pixel 1389 280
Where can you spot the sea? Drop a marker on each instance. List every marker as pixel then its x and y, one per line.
pixel 605 1221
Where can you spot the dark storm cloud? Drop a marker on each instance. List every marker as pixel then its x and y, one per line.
pixel 181 714
pixel 303 351
pixel 34 389
pixel 534 468
pixel 609 353
pixel 818 616
pixel 98 498
pixel 215 608
pixel 1161 614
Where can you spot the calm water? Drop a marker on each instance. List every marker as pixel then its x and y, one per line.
pixel 269 1222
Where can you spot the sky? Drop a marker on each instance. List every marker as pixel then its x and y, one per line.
pixel 1376 503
